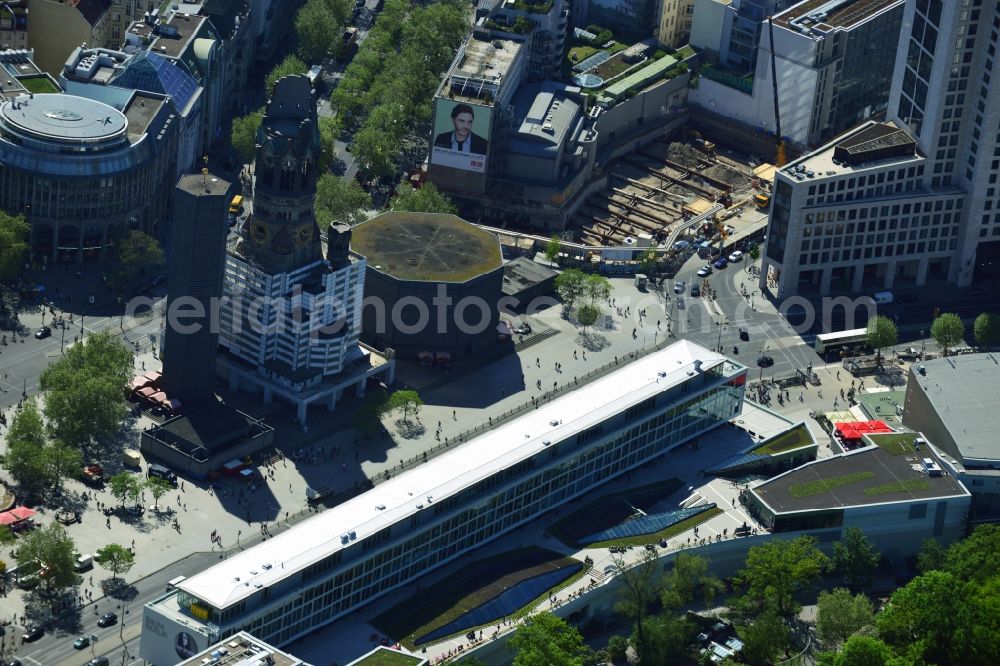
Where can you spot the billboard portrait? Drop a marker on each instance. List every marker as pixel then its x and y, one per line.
pixel 461 135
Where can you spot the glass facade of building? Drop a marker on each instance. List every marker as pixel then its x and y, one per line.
pixel 445 529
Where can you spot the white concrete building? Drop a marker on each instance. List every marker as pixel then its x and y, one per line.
pixel 833 72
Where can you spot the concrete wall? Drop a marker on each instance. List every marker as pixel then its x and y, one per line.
pixel 706 30
pixel 652 105
pixel 55 30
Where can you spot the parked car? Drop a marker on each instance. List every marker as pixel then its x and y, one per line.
pixel 81 642
pixel 736 256
pixel 765 362
pixel 705 270
pixel 679 287
pixel 32 634
pixel 107 620
pixel 744 335
pixel 721 262
pixel 43 333
pixel 695 290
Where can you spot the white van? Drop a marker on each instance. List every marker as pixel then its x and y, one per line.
pixel 84 562
pixel 883 298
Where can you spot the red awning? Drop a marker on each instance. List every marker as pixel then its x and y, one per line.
pixel 138 382
pixel 159 397
pixel 153 376
pixel 16 515
pixel 147 392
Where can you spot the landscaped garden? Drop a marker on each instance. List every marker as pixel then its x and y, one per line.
pixel 796 437
pixel 821 486
pixel 478 594
pixel 389 657
pixel 895 444
pixel 898 487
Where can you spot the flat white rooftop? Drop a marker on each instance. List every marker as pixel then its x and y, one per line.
pixel 393 501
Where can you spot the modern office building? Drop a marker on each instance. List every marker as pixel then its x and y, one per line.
pixel 894 497
pixel 432 285
pixel 913 200
pixel 955 403
pixel 239 650
pixel 83 172
pixel 196 256
pixel 834 63
pixel 381 540
pixel 291 317
pixel 58 27
pixel 742 27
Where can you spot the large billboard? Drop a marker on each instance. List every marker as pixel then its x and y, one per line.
pixel 461 135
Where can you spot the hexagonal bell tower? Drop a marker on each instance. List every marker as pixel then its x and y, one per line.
pixel 282 233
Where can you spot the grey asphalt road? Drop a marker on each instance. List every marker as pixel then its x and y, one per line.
pixel 119 642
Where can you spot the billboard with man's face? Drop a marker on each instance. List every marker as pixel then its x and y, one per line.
pixel 461 135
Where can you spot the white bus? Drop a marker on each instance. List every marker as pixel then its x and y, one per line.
pixel 857 337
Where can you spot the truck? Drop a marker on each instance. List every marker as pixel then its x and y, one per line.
pixel 132 458
pixel 93 475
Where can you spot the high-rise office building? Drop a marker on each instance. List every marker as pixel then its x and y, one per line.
pixel 741 30
pixel 196 253
pixel 913 200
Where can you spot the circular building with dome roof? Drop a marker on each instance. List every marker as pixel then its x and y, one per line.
pixel 432 285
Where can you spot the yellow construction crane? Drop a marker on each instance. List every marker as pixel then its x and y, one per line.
pixel 780 158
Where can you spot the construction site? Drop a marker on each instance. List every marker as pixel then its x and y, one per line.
pixel 671 194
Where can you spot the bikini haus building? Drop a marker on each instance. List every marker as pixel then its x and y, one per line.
pixel 343 558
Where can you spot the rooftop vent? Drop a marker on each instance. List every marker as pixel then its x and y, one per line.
pixel 697 365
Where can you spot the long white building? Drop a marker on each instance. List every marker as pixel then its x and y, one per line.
pixel 351 554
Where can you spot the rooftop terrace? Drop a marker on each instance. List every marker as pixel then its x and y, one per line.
pixel 826 15
pixel 871 475
pixel 872 144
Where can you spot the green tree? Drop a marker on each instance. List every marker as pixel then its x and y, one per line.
pixel 597 288
pixel 976 557
pixel 987 329
pixel 319 26
pixel 52 551
pixel 340 200
pixel 37 465
pixel 115 558
pixel 244 134
pixel 855 558
pixel 859 651
pixel 689 576
pixel 639 586
pixel 329 130
pixel 931 556
pixel 666 639
pixel 571 286
pixel 925 616
pixel 948 331
pixel 366 417
pixel 157 487
pixel 405 401
pixel 83 389
pixel 290 66
pixel 587 316
pixel 124 486
pixel 548 640
pixel 764 639
pixel 425 199
pixel 14 231
pixel 136 253
pixel 881 333
pixel 553 248
pixel 376 152
pixel 754 253
pixel 617 648
pixel 774 570
pixel 840 615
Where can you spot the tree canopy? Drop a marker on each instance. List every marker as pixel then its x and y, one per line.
pixel 84 389
pixel 987 329
pixel 548 640
pixel 587 315
pixel 764 639
pixel 774 570
pixel 855 558
pixel 36 463
pixel 340 200
pixel 425 199
pixel 404 401
pixel 639 586
pixel 158 487
pixel 948 331
pixel 115 558
pixel 291 65
pixel 50 551
pixel 553 248
pixel 137 252
pixel 881 334
pixel 319 26
pixel 124 486
pixel 14 231
pixel 244 134
pixel 689 577
pixel 571 286
pixel 840 615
